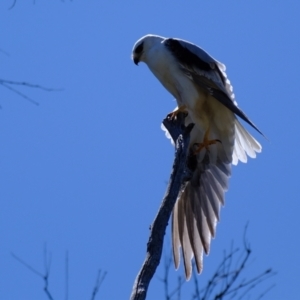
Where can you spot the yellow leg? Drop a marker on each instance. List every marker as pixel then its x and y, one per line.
pixel 174 113
pixel 206 143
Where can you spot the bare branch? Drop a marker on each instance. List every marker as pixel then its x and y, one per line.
pixel 47 264
pixel 179 176
pixel 27 265
pixel 196 283
pixel 45 277
pixel 168 262
pixel 27 84
pixel 98 283
pixel 265 292
pixel 165 280
pixel 19 93
pixel 67 276
pixel 226 276
pixel 15 1
pixel 9 85
pixel 224 283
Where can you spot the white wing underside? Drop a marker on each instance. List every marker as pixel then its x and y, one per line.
pixel 244 144
pixel 197 209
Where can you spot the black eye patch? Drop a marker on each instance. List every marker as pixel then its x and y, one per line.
pixel 139 48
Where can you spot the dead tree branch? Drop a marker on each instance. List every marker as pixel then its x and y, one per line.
pixel 47 264
pixel 10 85
pixel 179 176
pixel 15 1
pixel 67 276
pixel 165 280
pixel 98 283
pixel 45 277
pixel 226 282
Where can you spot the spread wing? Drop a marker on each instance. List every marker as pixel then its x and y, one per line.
pixel 197 210
pixel 196 214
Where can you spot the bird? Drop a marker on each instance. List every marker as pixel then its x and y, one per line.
pixel 218 140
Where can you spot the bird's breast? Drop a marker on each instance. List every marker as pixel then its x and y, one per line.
pixel 168 72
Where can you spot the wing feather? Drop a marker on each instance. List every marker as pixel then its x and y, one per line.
pixel 187 252
pixel 245 144
pixel 196 213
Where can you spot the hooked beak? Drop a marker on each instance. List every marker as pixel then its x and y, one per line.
pixel 136 60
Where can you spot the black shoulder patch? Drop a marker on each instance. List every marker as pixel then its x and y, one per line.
pixel 185 56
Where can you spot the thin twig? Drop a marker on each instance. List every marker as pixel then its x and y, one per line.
pixel 27 84
pixel 266 291
pixel 196 284
pixel 165 279
pixel 19 93
pixel 47 264
pixel 177 290
pixel 98 283
pixel 168 262
pixel 180 282
pixel 223 284
pixel 26 265
pixel 67 275
pixel 9 83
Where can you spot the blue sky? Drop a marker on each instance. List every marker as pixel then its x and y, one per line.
pixel 85 171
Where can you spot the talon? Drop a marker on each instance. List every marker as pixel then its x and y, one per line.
pixel 174 113
pixel 205 144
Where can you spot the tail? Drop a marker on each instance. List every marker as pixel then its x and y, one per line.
pixel 245 144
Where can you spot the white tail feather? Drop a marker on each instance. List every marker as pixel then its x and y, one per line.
pixel 245 144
